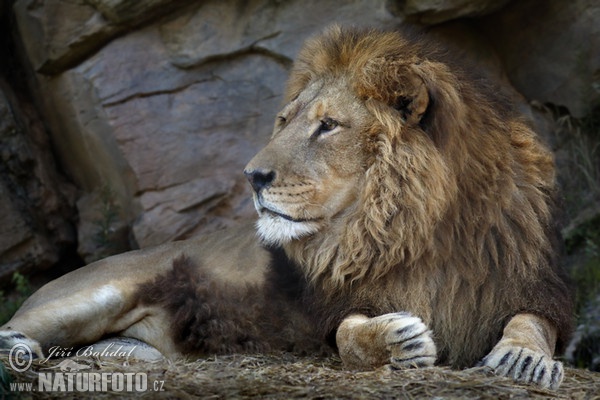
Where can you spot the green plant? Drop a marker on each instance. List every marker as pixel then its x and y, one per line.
pixel 584 245
pixel 586 277
pixel 5 380
pixel 579 175
pixel 11 303
pixel 585 192
pixel 109 215
pixel 579 171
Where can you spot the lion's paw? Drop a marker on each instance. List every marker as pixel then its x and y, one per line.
pixel 11 341
pixel 525 365
pixel 409 341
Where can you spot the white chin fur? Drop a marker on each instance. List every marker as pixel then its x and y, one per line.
pixel 277 231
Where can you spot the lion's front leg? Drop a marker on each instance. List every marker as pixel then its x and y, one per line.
pixel 399 339
pixel 525 352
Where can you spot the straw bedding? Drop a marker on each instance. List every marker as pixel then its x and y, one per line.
pixel 286 376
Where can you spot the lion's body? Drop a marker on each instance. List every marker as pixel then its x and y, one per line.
pixel 393 183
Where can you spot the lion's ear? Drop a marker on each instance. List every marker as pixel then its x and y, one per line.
pixel 398 84
pixel 413 100
pixel 427 94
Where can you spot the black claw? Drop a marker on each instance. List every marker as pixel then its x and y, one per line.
pixel 538 377
pixel 512 367
pixel 555 373
pixel 542 373
pixel 411 331
pixel 405 330
pixel 414 345
pixel 505 358
pixel 482 362
pixel 17 336
pixel 526 363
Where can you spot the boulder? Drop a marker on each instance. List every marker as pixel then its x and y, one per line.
pixel 71 30
pixel 436 11
pixel 75 29
pixel 550 51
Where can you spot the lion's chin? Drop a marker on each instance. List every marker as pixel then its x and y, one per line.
pixel 276 230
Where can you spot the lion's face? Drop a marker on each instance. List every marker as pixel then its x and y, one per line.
pixel 310 172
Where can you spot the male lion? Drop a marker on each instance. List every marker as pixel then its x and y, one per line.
pixel 405 214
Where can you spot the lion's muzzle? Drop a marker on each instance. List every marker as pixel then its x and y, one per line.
pixel 259 178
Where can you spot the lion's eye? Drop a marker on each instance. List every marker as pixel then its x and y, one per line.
pixel 327 124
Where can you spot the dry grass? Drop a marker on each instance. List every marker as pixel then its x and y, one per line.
pixel 285 376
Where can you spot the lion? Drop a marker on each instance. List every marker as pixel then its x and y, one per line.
pixel 405 217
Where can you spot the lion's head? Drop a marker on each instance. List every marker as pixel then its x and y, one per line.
pixel 312 170
pixel 385 155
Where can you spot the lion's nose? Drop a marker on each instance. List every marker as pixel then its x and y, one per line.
pixel 259 178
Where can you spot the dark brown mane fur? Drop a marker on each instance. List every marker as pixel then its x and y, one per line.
pixel 212 317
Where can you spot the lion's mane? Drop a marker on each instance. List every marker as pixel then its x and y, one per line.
pixel 454 221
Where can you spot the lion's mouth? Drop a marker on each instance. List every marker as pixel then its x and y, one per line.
pixel 268 211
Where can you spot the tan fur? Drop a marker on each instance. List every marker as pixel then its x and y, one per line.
pixel 525 352
pixel 398 339
pixel 405 210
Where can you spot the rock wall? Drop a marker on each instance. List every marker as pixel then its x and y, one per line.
pixel 153 107
pixel 167 115
pixel 127 124
pixel 36 204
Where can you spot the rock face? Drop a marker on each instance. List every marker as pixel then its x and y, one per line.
pixel 551 52
pixel 168 115
pixel 436 11
pixel 35 203
pixel 161 103
pixel 73 30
